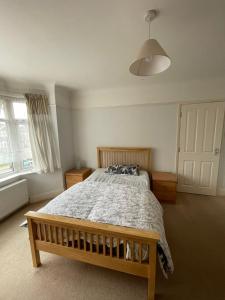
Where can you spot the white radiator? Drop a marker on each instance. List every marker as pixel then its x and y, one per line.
pixel 12 197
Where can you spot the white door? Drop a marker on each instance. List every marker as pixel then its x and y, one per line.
pixel 199 152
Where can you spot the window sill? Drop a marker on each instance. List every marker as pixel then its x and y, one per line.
pixel 14 176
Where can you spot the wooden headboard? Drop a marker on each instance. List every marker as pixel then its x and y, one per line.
pixel 112 155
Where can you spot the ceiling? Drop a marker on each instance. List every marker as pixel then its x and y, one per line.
pixel 89 44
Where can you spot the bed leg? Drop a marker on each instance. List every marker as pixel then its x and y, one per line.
pixel 34 252
pixel 152 272
pixel 36 259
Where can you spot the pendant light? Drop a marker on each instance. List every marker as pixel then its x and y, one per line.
pixel 152 59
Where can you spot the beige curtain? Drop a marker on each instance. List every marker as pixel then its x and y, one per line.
pixel 44 151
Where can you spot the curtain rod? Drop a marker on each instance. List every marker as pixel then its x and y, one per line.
pixel 19 95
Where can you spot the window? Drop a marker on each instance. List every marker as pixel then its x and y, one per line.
pixel 15 150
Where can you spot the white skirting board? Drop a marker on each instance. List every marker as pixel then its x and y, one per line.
pixel 12 197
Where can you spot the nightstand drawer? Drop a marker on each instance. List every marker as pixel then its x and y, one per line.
pixel 167 196
pixel 75 176
pixel 71 180
pixel 164 186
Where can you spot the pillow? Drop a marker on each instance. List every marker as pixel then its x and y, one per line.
pixel 123 169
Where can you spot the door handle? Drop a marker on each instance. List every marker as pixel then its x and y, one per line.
pixel 216 151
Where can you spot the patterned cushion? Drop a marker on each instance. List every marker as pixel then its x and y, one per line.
pixel 123 169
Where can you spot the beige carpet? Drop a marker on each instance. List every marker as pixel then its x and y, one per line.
pixel 195 229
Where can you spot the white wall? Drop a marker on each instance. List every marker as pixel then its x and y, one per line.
pixel 99 119
pixel 44 186
pixel 64 127
pixel 40 186
pixel 152 126
pixel 170 92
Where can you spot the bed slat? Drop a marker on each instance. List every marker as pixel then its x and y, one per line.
pixel 104 245
pixel 78 239
pixel 72 234
pixel 124 249
pixel 132 250
pixel 61 236
pixel 91 243
pixel 85 241
pixel 50 232
pixel 140 252
pixel 44 232
pixel 111 245
pixel 97 243
pixel 56 234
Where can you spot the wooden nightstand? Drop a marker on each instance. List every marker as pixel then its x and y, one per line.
pixel 74 176
pixel 164 186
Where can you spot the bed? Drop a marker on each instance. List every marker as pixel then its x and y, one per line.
pixel 78 224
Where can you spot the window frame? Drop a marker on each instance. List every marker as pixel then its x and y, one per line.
pixel 12 125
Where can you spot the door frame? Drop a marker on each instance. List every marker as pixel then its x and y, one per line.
pixel 178 137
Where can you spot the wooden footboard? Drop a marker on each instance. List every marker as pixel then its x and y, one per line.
pixel 95 243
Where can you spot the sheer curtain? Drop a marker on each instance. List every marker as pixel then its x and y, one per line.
pixel 44 151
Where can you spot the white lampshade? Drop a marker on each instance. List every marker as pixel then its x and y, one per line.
pixel 151 60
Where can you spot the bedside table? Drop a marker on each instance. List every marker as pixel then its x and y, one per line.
pixel 74 176
pixel 164 186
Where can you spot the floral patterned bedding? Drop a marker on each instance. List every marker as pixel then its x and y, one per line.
pixel 123 200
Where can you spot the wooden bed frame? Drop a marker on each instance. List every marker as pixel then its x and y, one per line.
pixel 53 234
